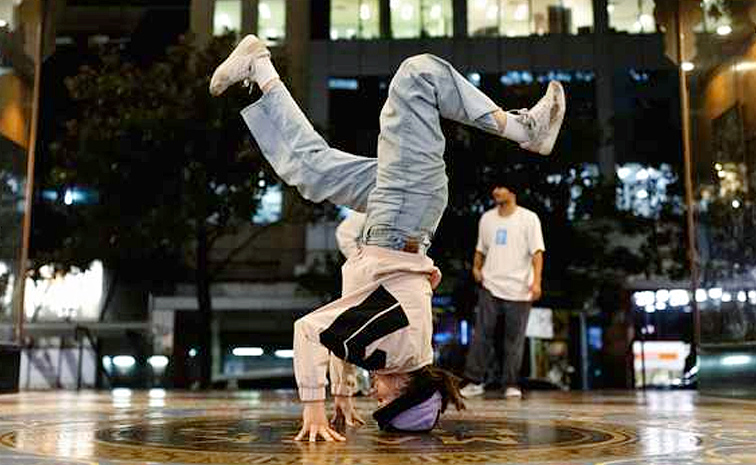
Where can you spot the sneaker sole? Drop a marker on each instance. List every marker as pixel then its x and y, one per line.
pixel 250 45
pixel 556 124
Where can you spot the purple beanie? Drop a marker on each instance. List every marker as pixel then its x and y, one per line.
pixel 415 411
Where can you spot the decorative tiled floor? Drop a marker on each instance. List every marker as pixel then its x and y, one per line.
pixel 123 427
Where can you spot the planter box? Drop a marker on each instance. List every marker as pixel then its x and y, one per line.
pixel 10 362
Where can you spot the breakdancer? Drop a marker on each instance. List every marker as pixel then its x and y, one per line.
pixel 383 321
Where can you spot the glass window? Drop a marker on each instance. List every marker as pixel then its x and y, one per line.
pixel 271 23
pixel 437 18
pixel 634 16
pixel 514 18
pixel 227 16
pixel 16 96
pixel 720 66
pixel 355 19
pixel 421 18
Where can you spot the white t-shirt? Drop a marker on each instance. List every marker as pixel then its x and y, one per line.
pixel 509 242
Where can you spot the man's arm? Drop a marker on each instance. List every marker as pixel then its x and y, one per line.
pixel 536 250
pixel 478 262
pixel 481 248
pixel 535 288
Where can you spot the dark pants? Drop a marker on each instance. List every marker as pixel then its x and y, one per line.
pixel 498 341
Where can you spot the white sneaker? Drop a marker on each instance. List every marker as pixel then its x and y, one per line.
pixel 239 66
pixel 472 390
pixel 544 120
pixel 512 393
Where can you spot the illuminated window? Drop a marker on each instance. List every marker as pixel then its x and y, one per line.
pixel 271 23
pixel 355 19
pixel 421 18
pixel 634 16
pixel 227 16
pixel 513 18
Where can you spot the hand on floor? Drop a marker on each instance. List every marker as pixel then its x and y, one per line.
pixel 345 414
pixel 315 424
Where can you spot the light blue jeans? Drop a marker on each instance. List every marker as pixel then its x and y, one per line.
pixel 404 191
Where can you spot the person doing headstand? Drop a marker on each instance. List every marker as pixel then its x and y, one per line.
pixel 383 321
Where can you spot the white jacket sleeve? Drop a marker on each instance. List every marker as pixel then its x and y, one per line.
pixel 310 360
pixel 311 357
pixel 343 377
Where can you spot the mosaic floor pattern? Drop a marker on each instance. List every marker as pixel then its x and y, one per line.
pixel 129 428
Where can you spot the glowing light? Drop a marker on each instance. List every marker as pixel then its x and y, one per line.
pixel 3 23
pixel 718 166
pixel 644 298
pixel 248 351
pixel 724 30
pixel 68 197
pixel 610 8
pixel 284 353
pixel 121 392
pixel 679 297
pixel 642 194
pixel 647 20
pixel 742 296
pixel 715 293
pixel 365 12
pixel 158 361
pixel 700 295
pixel 124 361
pixel 734 360
pixel 650 309
pixel 623 172
pixel 688 66
pixel 726 297
pixel 192 353
pixel 721 174
pixel 224 21
pixel 641 175
pixel 662 295
pixel 661 305
pixel 156 393
pixel 264 10
pixel 736 203
pixel 463 332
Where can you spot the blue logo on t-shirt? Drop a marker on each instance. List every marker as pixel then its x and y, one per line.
pixel 501 237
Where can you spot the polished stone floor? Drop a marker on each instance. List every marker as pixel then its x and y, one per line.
pixel 155 427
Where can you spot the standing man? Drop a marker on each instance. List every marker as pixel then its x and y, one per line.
pixel 508 265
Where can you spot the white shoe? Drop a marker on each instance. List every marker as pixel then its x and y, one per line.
pixel 239 66
pixel 544 120
pixel 472 390
pixel 513 393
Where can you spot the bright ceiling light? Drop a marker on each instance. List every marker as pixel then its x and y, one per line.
pixel 688 66
pixel 248 351
pixel 724 30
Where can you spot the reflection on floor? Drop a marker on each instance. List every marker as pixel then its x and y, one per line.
pixel 125 427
